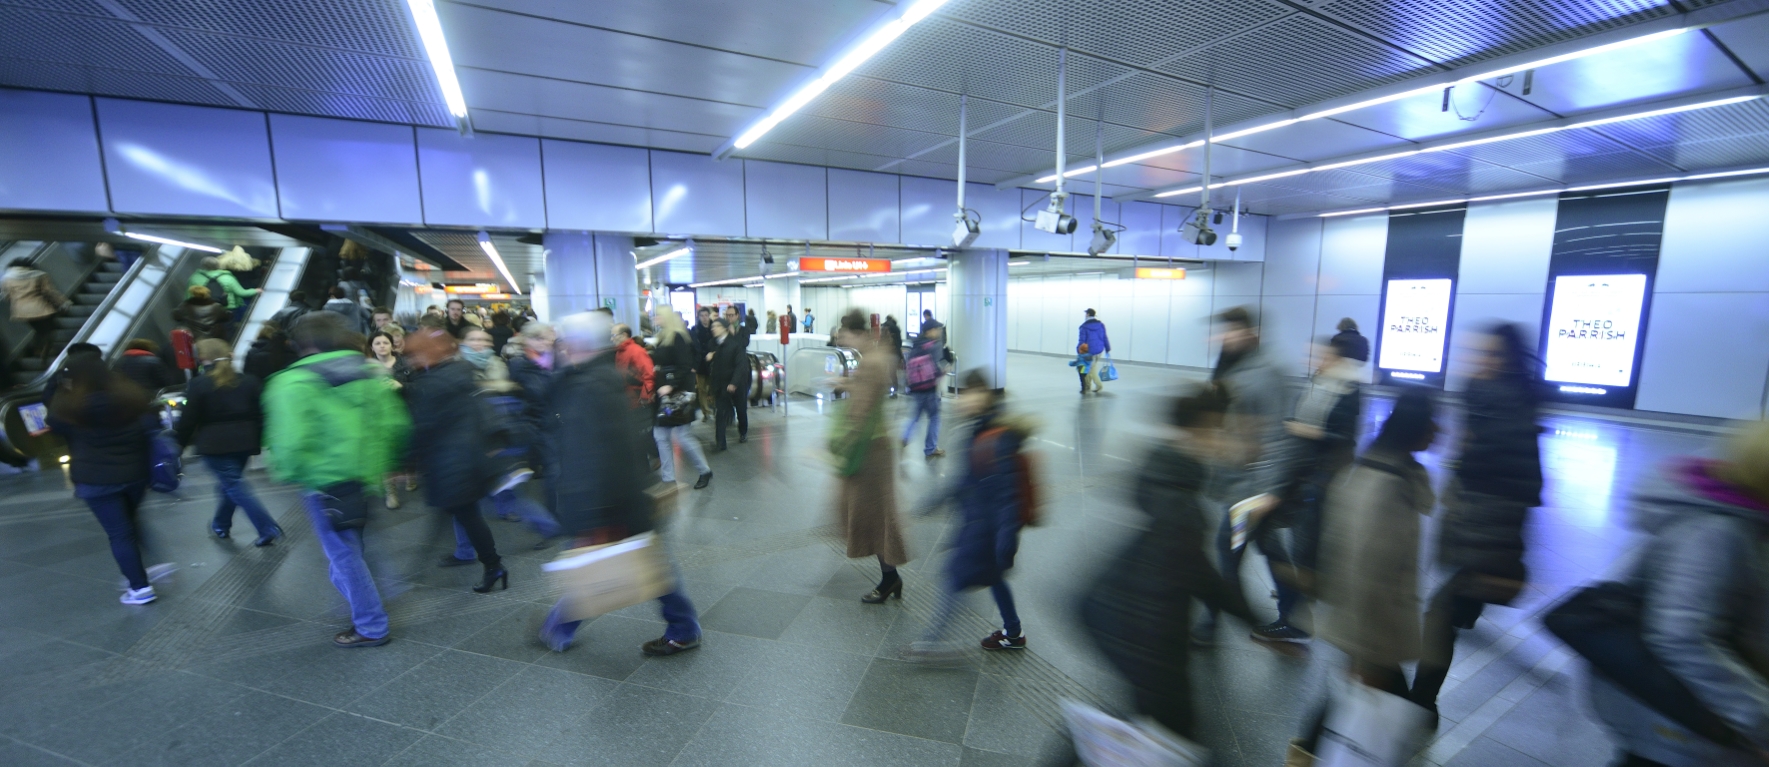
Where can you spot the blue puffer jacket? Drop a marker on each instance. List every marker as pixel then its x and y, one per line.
pixel 1093 333
pixel 988 497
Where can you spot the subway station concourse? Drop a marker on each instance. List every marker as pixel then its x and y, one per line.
pixel 1210 180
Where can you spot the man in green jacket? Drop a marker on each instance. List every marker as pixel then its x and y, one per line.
pixel 218 281
pixel 334 428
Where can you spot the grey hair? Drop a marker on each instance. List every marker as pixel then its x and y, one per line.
pixel 586 332
pixel 536 329
pixel 211 263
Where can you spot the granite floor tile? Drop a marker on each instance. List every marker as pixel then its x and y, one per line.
pixel 908 699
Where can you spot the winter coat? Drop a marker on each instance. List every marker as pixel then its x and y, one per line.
pixel 146 369
pixel 1258 404
pixel 1499 454
pixel 447 432
pixel 1370 557
pixel 1355 344
pixel 751 324
pixel 32 295
pixel 458 329
pixel 285 317
pixel 355 317
pixel 892 337
pixel 1705 577
pixel 1093 334
pixel 600 473
pixel 223 421
pixel 673 364
pixel 109 445
pixel 730 365
pixel 1332 402
pixel 866 502
pixel 634 364
pixel 269 356
pixel 230 287
pixel 500 336
pixel 989 503
pixel 204 319
pixel 328 419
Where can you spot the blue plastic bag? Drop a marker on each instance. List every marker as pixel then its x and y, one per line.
pixel 165 462
pixel 1109 372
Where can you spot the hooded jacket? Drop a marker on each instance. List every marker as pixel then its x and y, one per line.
pixel 223 421
pixel 352 312
pixel 32 295
pixel 988 534
pixel 146 369
pixel 328 419
pixel 1093 334
pixel 635 368
pixel 1704 574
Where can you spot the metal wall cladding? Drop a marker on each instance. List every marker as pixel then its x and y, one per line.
pixel 788 202
pixel 863 207
pixel 49 153
pixel 597 187
pixel 340 170
pixel 191 161
pixel 481 180
pixel 695 194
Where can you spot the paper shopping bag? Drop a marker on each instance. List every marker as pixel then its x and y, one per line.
pixel 1371 728
pixel 1102 740
pixel 601 579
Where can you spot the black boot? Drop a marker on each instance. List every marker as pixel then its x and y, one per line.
pixel 891 585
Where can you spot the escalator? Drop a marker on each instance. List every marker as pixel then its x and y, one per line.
pixel 91 292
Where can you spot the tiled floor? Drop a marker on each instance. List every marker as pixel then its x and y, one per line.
pixel 233 664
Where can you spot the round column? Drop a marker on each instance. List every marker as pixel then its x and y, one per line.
pixel 977 331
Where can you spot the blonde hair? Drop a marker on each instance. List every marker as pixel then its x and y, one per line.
pixel 215 350
pixel 1747 461
pixel 669 326
pixel 199 293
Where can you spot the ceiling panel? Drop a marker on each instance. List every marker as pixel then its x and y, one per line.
pixel 371 26
pixel 993 156
pixel 1746 119
pixel 1584 168
pixel 298 66
pixel 1463 31
pixel 1660 69
pixel 1449 171
pixel 1748 39
pixel 1315 140
pixel 557 98
pixel 463 247
pixel 301 101
pixel 1724 152
pixel 82 40
pixel 1296 61
pixel 817 25
pixel 1151 30
pixel 1164 105
pixel 824 133
pixel 578 130
pixel 1224 161
pixel 880 102
pixel 946 55
pixel 1039 130
pixel 1471 108
pixel 943 170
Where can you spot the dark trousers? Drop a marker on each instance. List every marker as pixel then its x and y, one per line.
pixel 1449 610
pixel 478 533
pixel 729 404
pixel 43 335
pixel 1270 540
pixel 1167 698
pixel 115 507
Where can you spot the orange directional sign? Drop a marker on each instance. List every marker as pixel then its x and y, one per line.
pixel 1160 274
pixel 844 265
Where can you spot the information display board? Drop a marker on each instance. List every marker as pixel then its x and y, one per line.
pixel 1594 329
pixel 1415 325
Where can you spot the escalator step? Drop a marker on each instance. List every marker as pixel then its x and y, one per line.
pixel 111 267
pixel 107 278
pixel 87 299
pixel 69 323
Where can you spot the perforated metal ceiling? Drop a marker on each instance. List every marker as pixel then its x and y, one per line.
pixel 688 74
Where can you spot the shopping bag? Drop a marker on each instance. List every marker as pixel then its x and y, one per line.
pixel 1109 372
pixel 1102 740
pixel 601 579
pixel 1367 727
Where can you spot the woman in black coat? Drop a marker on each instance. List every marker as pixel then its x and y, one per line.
pixel 446 442
pixel 1480 537
pixel 223 418
pixel 105 419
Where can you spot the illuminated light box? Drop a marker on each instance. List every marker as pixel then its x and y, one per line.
pixel 844 264
pixel 1145 273
pixel 1415 325
pixel 1594 330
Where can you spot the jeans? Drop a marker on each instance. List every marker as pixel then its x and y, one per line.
pixel 1277 556
pixel 509 504
pixel 948 604
pixel 678 612
pixel 924 402
pixel 728 402
pixel 679 435
pixel 115 507
pixel 350 573
pixel 235 492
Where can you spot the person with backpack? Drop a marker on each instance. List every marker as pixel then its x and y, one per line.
pixel 449 441
pixel 223 287
pixel 923 370
pixel 1092 344
pixel 995 497
pixel 203 316
pixel 224 418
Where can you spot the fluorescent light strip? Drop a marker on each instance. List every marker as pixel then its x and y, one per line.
pixel 436 46
pixel 1153 153
pixel 1069 174
pixel 1187 190
pixel 1557 190
pixel 179 243
pixel 1665 111
pixel 498 261
pixel 1019 263
pixel 1538 64
pixel 677 253
pixel 874 42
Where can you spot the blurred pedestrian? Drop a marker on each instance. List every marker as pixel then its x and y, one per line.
pixel 141 363
pixel 810 319
pixel 866 498
pixel 355 316
pixel 391 366
pixel 224 419
pixel 106 419
pixel 773 322
pixel 924 368
pixel 297 306
pixel 35 302
pixel 1702 581
pixel 728 365
pixel 500 330
pixel 992 508
pixel 890 336
pixel 1139 609
pixel 739 328
pixel 1353 343
pixel 270 351
pixel 202 316
pixel 380 318
pixel 1498 479
pixel 673 368
pixel 751 324
pixel 335 429
pixel 633 361
pixel 598 476
pixel 1256 476
pixel 510 457
pixel 450 438
pixel 223 287
pixel 791 321
pixel 1091 343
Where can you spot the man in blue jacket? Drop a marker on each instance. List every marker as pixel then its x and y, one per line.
pixel 1092 344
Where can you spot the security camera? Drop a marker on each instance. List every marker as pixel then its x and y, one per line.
pixel 1233 241
pixel 1053 219
pixel 1103 238
pixel 966 231
pixel 1197 231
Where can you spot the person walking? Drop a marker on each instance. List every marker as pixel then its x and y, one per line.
pixel 991 512
pixel 509 458
pixel 297 306
pixel 1138 611
pixel 202 316
pixel 105 419
pixel 704 343
pixel 334 428
pixel 890 337
pixel 355 316
pixel 449 442
pixel 224 287
pixel 35 302
pixel 751 324
pixel 224 419
pixel 1703 584
pixel 391 366
pixel 673 366
pixel 1353 343
pixel 501 331
pixel 599 476
pixel 1497 481
pixel 1091 345
pixel 866 498
pixel 923 371
pixel 633 361
pixel 729 368
pixel 457 322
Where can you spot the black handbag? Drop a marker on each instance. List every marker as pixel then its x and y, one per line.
pixel 1603 624
pixel 345 506
pixel 676 408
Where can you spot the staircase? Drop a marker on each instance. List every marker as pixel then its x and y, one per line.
pixel 92 292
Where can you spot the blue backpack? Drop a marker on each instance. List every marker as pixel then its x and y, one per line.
pixel 165 462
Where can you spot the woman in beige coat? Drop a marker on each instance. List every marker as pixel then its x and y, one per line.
pixel 866 501
pixel 35 302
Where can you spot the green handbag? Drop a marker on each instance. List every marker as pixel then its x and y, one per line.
pixel 848 444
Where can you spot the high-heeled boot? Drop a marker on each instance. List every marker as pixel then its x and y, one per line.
pixel 890 586
pixel 495 576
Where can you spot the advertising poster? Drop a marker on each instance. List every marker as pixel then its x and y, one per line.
pixel 1593 329
pixel 1415 323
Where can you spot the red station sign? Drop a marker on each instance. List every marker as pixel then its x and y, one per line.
pixel 844 265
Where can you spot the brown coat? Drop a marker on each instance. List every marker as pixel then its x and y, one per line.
pixel 1370 558
pixel 866 503
pixel 32 295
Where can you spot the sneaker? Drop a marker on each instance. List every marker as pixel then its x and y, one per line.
pixel 1279 631
pixel 139 596
pixel 936 453
pixel 662 646
pixel 1001 641
pixel 513 479
pixel 268 538
pixel 392 499
pixel 705 479
pixel 349 639
pixel 155 574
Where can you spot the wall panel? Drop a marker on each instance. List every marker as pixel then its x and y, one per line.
pixel 1506 245
pixel 1286 325
pixel 1142 237
pixel 1691 367
pixel 695 194
pixel 788 202
pixel 1150 322
pixel 1475 312
pixel 863 206
pixel 482 180
pixel 1715 235
pixel 597 187
pixel 1188 339
pixel 49 153
pixel 343 170
pixel 187 161
pixel 1293 256
pixel 1352 250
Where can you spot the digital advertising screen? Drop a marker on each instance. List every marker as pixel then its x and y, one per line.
pixel 1415 325
pixel 1594 329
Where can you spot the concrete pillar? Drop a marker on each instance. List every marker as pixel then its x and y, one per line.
pixel 777 294
pixel 586 271
pixel 977 330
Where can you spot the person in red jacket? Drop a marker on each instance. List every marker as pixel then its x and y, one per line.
pixel 634 364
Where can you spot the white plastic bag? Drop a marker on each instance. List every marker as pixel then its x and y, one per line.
pixel 1102 740
pixel 1370 728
